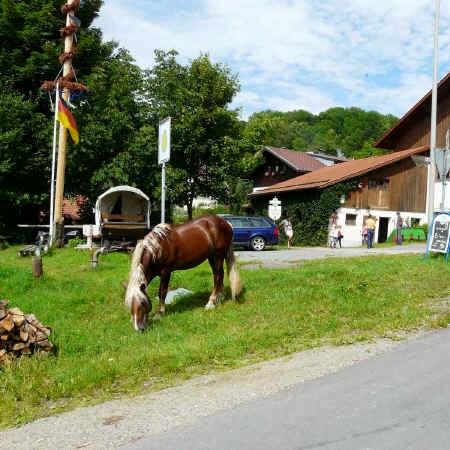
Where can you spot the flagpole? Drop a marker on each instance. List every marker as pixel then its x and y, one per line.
pixel 52 180
pixel 432 166
pixel 61 166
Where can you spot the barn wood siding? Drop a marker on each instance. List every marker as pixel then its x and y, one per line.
pixel 261 179
pixel 417 132
pixel 406 189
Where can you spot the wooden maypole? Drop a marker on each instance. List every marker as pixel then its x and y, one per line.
pixel 67 84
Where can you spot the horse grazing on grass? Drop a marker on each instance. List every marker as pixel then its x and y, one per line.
pixel 167 248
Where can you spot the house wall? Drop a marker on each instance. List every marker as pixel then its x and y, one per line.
pixel 417 133
pixel 352 220
pixel 352 232
pixel 399 187
pixel 273 171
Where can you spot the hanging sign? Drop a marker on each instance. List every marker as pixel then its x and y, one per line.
pixel 274 209
pixel 164 141
pixel 440 234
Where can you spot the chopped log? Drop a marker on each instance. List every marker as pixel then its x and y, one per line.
pixel 7 324
pixel 3 309
pixel 21 334
pixel 19 346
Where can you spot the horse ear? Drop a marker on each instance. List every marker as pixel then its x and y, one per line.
pixel 125 285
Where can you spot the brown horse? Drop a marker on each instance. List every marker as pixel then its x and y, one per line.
pixel 167 248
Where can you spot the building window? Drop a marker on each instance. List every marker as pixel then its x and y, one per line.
pixel 350 219
pixel 379 183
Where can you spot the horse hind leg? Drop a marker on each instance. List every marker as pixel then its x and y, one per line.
pixel 163 288
pixel 218 273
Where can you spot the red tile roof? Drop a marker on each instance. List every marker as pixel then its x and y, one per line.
pixel 330 175
pixel 72 206
pixel 299 161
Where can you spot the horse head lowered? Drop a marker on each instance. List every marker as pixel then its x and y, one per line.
pixel 166 249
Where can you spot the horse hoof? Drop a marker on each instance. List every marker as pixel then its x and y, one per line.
pixel 209 306
pixel 157 317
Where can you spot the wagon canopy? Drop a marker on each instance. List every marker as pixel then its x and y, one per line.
pixel 122 205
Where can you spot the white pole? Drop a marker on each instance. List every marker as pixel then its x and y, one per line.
pixel 445 168
pixel 52 180
pixel 432 166
pixel 163 193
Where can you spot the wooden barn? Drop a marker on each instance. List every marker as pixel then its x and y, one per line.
pixel 384 185
pixel 393 182
pixel 281 164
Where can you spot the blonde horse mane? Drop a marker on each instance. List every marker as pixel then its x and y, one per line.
pixel 137 275
pixel 152 242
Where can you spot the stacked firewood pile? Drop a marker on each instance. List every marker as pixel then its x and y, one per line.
pixel 21 334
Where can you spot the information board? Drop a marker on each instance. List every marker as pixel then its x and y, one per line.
pixel 164 141
pixel 440 235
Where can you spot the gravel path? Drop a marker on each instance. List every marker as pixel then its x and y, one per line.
pixel 289 258
pixel 121 422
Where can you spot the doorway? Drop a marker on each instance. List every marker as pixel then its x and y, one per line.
pixel 383 229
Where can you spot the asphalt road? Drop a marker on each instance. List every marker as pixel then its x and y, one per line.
pixel 288 258
pixel 396 400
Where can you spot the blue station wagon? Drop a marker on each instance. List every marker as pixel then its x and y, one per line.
pixel 253 232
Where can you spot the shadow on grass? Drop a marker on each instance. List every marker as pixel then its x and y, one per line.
pixel 199 299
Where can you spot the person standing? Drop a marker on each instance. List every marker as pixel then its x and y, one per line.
pixel 398 229
pixel 288 230
pixel 370 225
pixel 364 235
pixel 339 235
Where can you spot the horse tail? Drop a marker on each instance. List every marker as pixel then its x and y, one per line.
pixel 233 273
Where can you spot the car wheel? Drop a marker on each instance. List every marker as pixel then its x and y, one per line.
pixel 258 243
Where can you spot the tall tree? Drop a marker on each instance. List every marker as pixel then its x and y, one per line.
pixel 204 129
pixel 108 116
pixel 351 130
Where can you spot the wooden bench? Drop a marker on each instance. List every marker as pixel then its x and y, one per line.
pixel 121 218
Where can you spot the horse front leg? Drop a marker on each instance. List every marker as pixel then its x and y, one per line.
pixel 163 287
pixel 217 268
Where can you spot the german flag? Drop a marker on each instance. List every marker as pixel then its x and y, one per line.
pixel 66 118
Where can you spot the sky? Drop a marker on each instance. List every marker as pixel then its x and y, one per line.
pixel 295 54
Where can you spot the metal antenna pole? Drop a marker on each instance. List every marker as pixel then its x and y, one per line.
pixel 432 166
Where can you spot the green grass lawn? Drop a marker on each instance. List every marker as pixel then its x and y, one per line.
pixel 100 356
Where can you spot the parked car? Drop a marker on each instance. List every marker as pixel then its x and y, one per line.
pixel 253 232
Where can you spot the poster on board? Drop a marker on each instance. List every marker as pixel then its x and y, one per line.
pixel 440 234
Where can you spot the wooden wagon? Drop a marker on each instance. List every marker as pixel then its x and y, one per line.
pixel 122 213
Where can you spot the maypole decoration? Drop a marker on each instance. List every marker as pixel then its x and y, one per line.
pixel 63 86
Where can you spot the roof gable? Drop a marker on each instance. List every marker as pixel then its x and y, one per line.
pixel 330 175
pixel 420 109
pixel 299 161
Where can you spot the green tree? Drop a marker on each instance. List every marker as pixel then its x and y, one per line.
pixel 116 147
pixel 114 143
pixel 204 150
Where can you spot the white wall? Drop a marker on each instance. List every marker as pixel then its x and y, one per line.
pixel 352 233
